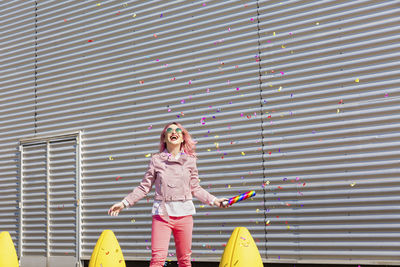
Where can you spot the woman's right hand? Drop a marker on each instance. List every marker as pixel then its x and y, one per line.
pixel 116 208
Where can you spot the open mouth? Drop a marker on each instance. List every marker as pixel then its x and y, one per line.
pixel 173 138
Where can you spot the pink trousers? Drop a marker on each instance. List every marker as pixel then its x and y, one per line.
pixel 161 229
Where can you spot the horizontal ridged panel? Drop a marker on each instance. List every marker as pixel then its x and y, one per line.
pixel 121 78
pixel 16 104
pixel 34 197
pixel 327 134
pixel 62 195
pixel 330 87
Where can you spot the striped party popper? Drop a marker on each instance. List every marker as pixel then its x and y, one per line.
pixel 238 198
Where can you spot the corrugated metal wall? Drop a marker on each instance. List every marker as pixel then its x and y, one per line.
pixel 119 71
pixel 17 101
pixel 331 81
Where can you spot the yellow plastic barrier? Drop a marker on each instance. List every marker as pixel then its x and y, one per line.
pixel 107 252
pixel 8 255
pixel 241 250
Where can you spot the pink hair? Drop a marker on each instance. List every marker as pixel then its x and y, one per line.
pixel 188 145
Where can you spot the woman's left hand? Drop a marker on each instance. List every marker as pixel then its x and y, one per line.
pixel 218 202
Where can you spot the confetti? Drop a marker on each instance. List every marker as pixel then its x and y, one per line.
pixel 155 35
pixel 151 126
pixel 243 153
pixel 111 158
pixel 89 41
pixel 118 178
pixel 352 184
pixel 357 80
pixel 134 15
pixel 147 155
pixel 133 220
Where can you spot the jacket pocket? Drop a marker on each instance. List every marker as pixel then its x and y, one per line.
pixel 171 185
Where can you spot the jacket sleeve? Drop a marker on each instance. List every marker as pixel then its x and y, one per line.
pixel 144 187
pixel 197 191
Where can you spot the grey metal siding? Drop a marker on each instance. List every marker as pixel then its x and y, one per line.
pixel 115 76
pixel 297 100
pixel 16 104
pixel 330 78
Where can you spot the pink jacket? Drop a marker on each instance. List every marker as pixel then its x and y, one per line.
pixel 174 180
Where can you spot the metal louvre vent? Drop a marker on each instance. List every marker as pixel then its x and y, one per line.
pixel 330 80
pixel 63 202
pixel 34 198
pixel 49 219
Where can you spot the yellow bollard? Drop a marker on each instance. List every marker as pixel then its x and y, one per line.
pixel 241 250
pixel 8 255
pixel 107 252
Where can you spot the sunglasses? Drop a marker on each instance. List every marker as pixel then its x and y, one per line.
pixel 177 130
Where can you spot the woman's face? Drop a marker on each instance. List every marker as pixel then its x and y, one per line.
pixel 173 135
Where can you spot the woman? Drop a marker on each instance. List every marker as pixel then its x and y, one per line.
pixel 174 173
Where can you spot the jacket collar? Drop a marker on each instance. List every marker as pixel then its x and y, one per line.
pixel 165 155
